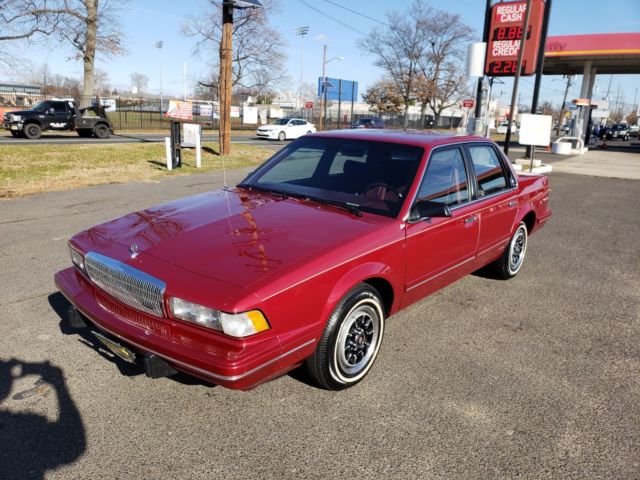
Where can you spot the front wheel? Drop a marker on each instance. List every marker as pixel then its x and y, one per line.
pixel 32 131
pixel 282 136
pixel 509 264
pixel 350 341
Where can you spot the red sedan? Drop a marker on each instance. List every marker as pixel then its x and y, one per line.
pixel 305 260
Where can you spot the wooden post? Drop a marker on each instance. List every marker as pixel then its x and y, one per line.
pixel 226 51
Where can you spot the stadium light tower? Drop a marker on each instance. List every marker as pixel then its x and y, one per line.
pixel 159 44
pixel 302 31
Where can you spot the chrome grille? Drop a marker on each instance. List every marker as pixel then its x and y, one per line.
pixel 125 283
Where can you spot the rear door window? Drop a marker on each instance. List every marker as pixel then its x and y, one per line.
pixel 488 168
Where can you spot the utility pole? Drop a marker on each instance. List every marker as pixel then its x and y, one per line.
pixel 564 101
pixel 302 31
pixel 516 80
pixel 226 49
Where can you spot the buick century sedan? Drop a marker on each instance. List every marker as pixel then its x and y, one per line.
pixel 305 260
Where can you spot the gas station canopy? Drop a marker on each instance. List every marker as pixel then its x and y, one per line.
pixel 606 53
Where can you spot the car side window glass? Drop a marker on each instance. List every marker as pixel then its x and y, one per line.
pixel 297 168
pixel 446 178
pixel 59 108
pixel 489 172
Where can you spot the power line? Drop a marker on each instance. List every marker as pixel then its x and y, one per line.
pixel 344 24
pixel 358 13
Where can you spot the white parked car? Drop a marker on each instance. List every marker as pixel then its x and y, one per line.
pixel 502 128
pixel 286 128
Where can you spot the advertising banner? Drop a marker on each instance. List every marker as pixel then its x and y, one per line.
pixel 179 110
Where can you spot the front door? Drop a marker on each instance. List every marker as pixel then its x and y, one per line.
pixel 441 250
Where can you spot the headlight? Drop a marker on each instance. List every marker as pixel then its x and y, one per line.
pixel 16 118
pixel 235 325
pixel 77 258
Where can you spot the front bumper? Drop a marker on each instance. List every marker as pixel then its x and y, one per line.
pixel 269 134
pixel 12 126
pixel 224 361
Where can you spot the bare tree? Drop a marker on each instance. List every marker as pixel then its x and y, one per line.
pixel 88 26
pixel 384 97
pixel 258 55
pixel 101 82
pixel 140 81
pixel 398 47
pixel 449 90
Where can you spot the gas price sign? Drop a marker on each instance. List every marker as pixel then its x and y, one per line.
pixel 507 31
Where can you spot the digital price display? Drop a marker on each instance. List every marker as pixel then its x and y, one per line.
pixel 505 35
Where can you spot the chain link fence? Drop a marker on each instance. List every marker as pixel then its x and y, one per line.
pixel 146 113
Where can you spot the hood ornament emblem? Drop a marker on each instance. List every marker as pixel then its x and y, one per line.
pixel 133 250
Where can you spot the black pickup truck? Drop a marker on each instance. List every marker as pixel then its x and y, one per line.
pixel 58 115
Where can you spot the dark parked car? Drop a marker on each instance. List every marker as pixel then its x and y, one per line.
pixel 58 115
pixel 369 123
pixel 618 131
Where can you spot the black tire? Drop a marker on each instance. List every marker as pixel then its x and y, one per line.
pixel 16 134
pixel 309 132
pixel 282 136
pixel 101 131
pixel 84 132
pixel 32 131
pixel 510 263
pixel 351 340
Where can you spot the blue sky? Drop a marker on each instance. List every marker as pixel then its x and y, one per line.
pixel 146 21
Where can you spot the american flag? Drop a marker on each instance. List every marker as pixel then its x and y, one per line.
pixel 179 110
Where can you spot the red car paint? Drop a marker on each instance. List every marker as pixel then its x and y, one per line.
pixel 237 250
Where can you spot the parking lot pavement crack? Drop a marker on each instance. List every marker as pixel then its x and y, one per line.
pixel 51 216
pixel 24 299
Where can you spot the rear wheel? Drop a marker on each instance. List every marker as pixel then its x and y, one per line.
pixel 350 341
pixel 101 131
pixel 282 136
pixel 32 131
pixel 509 264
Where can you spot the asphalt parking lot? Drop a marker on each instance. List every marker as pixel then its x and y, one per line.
pixel 537 377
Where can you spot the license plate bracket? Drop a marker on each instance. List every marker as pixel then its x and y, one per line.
pixel 118 350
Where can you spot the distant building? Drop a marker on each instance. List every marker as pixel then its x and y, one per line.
pixel 16 94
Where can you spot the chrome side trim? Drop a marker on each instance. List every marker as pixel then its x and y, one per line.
pixel 441 273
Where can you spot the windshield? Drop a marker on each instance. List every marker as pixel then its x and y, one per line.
pixel 371 176
pixel 282 121
pixel 619 127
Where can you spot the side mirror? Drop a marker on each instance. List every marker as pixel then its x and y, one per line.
pixel 51 111
pixel 424 209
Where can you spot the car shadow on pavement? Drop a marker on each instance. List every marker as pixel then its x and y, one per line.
pixel 61 306
pixel 32 443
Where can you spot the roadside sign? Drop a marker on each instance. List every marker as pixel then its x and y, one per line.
pixel 308 105
pixel 337 89
pixel 505 35
pixel 581 102
pixel 468 103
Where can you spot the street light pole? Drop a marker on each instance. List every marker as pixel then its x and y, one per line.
pixel 159 46
pixel 224 132
pixel 323 83
pixel 302 31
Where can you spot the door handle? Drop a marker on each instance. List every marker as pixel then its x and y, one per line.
pixel 470 219
pixel 513 203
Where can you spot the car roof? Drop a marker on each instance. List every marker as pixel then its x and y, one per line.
pixel 423 138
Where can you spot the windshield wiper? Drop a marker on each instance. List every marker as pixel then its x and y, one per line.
pixel 273 191
pixel 351 207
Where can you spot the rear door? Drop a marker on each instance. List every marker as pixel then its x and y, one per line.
pixel 495 200
pixel 61 116
pixel 440 250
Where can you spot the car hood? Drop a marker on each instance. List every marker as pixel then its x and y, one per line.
pixel 236 236
pixel 271 127
pixel 23 112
